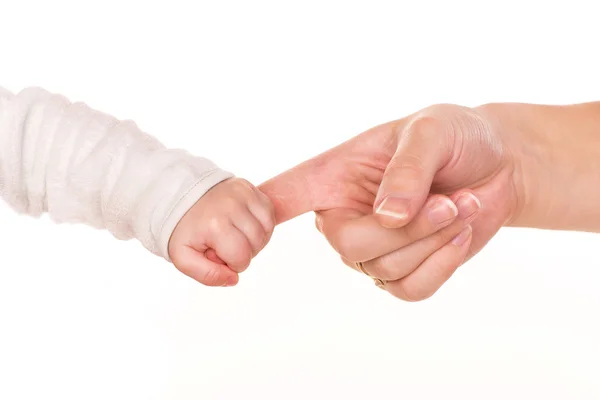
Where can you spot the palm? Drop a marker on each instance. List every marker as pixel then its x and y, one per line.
pixel 350 174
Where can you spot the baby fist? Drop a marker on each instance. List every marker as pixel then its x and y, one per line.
pixel 227 227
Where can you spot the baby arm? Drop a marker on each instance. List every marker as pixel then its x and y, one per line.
pixel 83 166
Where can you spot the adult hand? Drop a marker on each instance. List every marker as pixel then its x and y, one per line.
pixel 370 193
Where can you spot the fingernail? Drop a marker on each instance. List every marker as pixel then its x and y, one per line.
pixel 462 237
pixel 442 210
pixel 395 207
pixel 468 204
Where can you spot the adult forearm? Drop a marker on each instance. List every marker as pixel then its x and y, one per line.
pixel 556 154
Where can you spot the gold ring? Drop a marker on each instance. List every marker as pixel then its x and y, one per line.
pixel 380 283
pixel 361 268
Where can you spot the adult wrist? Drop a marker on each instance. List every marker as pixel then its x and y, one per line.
pixel 555 155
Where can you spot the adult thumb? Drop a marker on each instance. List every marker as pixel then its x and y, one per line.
pixel 424 147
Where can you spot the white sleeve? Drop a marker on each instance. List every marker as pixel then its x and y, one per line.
pixel 83 166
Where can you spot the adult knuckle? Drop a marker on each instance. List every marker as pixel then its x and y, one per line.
pixel 395 291
pixel 425 124
pixel 319 223
pixel 413 232
pixel 445 235
pixel 344 248
pixel 344 242
pixel 349 263
pixel 442 110
pixel 410 167
pixel 385 268
pixel 412 292
pixel 430 125
pixel 408 163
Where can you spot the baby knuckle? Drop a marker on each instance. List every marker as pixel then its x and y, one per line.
pixel 267 216
pixel 217 224
pixel 271 223
pixel 237 208
pixel 212 277
pixel 244 262
pixel 272 218
pixel 231 203
pixel 187 267
pixel 255 232
pixel 245 183
pixel 243 257
pixel 183 267
pixel 243 186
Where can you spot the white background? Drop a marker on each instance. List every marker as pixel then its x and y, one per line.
pixel 258 87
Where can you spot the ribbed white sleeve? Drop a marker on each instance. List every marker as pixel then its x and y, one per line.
pixel 83 166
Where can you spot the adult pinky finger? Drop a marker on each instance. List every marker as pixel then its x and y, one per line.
pixel 198 266
pixel 424 281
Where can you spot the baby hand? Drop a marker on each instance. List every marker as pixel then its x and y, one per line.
pixel 232 222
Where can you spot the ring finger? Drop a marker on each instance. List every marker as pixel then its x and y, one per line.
pixel 402 262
